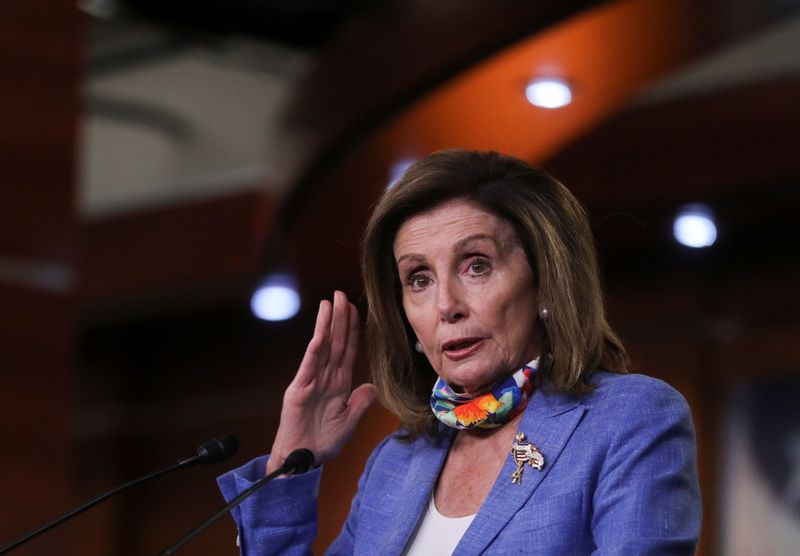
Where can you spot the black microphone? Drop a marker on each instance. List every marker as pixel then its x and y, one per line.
pixel 296 462
pixel 212 451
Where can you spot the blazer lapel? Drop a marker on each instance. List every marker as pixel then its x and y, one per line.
pixel 548 423
pixel 426 464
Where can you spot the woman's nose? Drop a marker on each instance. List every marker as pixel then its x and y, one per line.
pixel 450 301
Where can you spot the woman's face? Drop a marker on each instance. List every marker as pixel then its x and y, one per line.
pixel 468 293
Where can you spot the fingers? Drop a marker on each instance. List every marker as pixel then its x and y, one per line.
pixel 351 350
pixel 360 400
pixel 334 343
pixel 340 328
pixel 318 350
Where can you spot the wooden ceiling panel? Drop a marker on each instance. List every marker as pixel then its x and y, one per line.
pixel 692 148
pixel 607 54
pixel 181 252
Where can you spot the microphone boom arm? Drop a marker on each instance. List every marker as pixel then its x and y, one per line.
pixel 299 461
pixel 210 452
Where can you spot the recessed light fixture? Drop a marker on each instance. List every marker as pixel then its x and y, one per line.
pixel 694 226
pixel 276 298
pixel 548 93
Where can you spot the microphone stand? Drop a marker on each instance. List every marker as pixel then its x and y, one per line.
pixel 210 452
pixel 80 509
pixel 299 461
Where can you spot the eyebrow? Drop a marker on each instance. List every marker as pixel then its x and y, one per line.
pixel 459 245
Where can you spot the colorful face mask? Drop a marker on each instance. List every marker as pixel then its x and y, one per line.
pixel 497 407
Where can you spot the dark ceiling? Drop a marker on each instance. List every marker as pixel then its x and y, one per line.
pixel 305 23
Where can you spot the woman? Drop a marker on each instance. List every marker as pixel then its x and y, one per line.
pixel 521 431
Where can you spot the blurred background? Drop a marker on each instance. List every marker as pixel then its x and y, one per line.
pixel 161 162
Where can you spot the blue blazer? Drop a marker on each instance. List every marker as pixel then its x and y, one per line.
pixel 619 478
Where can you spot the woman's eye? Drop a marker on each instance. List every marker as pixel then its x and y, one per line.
pixel 418 281
pixel 479 266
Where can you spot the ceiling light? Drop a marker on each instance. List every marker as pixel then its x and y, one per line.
pixel 548 93
pixel 694 226
pixel 276 298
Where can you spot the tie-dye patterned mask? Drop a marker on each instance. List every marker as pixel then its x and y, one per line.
pixel 497 407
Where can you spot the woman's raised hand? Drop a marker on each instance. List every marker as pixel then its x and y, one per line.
pixel 319 412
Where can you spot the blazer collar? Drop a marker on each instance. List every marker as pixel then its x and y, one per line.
pixel 426 464
pixel 548 422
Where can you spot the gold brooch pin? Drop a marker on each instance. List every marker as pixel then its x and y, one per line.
pixel 523 451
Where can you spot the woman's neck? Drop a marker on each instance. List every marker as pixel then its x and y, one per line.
pixel 480 435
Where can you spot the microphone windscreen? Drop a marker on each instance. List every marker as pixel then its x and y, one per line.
pixel 218 449
pixel 299 461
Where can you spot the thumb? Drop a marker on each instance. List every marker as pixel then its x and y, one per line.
pixel 360 400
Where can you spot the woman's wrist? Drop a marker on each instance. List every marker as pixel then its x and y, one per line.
pixel 273 461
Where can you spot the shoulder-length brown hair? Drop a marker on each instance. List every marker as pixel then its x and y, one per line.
pixel 552 227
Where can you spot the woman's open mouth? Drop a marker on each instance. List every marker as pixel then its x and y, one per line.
pixel 461 347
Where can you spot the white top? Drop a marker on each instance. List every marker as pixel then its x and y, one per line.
pixel 436 534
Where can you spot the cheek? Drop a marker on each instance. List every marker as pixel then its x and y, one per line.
pixel 415 317
pixel 504 303
pixel 514 311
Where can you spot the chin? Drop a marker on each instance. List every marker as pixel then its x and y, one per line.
pixel 472 378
